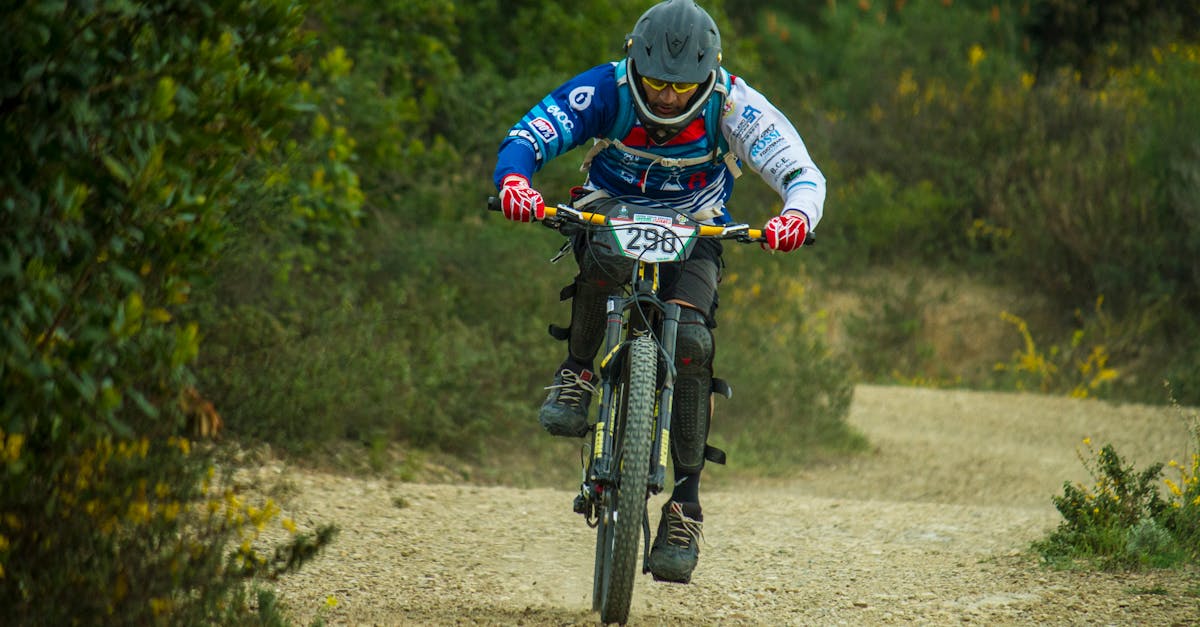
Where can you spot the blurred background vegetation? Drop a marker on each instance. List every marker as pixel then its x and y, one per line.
pixel 275 210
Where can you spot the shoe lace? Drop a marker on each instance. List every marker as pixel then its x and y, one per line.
pixel 682 530
pixel 572 387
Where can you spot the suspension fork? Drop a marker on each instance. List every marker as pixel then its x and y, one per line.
pixel 602 448
pixel 616 328
pixel 661 447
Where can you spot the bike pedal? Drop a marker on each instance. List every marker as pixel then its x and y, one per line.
pixel 581 505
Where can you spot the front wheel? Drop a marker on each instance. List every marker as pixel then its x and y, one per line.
pixel 620 529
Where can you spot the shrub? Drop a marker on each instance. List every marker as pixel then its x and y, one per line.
pixel 1079 366
pixel 1122 521
pixel 792 392
pixel 1181 516
pixel 132 135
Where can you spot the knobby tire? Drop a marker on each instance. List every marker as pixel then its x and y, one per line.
pixel 622 528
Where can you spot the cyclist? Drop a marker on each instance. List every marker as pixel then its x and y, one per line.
pixel 669 124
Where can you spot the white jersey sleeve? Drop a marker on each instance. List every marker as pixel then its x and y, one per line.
pixel 761 136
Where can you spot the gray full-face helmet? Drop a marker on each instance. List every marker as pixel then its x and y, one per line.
pixel 674 41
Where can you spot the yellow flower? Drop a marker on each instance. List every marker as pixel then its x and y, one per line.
pixel 906 86
pixel 975 55
pixel 330 601
pixel 12 449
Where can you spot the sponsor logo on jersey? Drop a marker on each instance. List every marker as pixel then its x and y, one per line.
pixel 544 128
pixel 564 120
pixel 527 136
pixel 581 97
pixel 765 141
pixel 780 166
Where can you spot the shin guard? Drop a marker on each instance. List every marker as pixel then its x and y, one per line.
pixel 588 318
pixel 693 392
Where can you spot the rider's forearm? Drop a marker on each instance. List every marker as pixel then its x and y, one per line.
pixel 804 191
pixel 517 156
pixel 762 137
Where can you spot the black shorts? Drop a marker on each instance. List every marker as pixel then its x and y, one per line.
pixel 693 280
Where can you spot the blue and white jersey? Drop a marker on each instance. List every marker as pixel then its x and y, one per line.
pixel 586 108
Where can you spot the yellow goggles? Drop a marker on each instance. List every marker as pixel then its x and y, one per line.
pixel 679 88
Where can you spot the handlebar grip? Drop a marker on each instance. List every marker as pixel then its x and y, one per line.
pixel 493 203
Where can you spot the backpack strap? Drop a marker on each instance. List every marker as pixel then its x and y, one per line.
pixel 712 122
pixel 622 123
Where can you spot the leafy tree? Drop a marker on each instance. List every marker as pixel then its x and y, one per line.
pixel 133 137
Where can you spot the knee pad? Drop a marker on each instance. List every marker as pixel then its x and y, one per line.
pixel 694 350
pixel 693 343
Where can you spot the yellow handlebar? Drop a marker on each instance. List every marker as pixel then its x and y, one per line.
pixel 705 230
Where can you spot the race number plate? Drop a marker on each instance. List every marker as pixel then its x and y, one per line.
pixel 653 239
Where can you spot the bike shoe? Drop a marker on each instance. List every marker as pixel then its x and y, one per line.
pixel 676 547
pixel 565 411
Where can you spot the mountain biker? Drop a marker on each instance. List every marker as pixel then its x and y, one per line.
pixel 668 123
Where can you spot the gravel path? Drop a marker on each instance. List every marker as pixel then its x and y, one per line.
pixel 932 527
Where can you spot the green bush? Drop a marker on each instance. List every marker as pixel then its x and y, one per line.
pixel 792 392
pixel 132 134
pixel 881 221
pixel 1122 521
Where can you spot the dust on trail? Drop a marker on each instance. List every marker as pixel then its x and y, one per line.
pixel 930 527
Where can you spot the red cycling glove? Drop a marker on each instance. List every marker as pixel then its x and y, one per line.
pixel 519 201
pixel 785 232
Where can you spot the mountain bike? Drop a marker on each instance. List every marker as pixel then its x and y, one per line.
pixel 628 449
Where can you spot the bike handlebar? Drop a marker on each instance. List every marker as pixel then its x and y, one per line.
pixel 738 232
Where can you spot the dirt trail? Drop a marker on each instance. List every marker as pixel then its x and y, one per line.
pixel 932 527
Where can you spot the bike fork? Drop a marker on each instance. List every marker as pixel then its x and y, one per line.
pixel 660 449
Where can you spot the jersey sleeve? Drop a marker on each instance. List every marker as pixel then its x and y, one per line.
pixel 761 136
pixel 579 110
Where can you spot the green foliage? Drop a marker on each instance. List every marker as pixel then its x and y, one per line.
pixel 791 397
pixel 185 184
pixel 1181 516
pixel 1078 367
pixel 938 141
pixel 940 137
pixel 133 134
pixel 877 214
pixel 1090 36
pixel 1122 521
pixel 386 68
pixel 551 36
pixel 883 339
pixel 407 352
